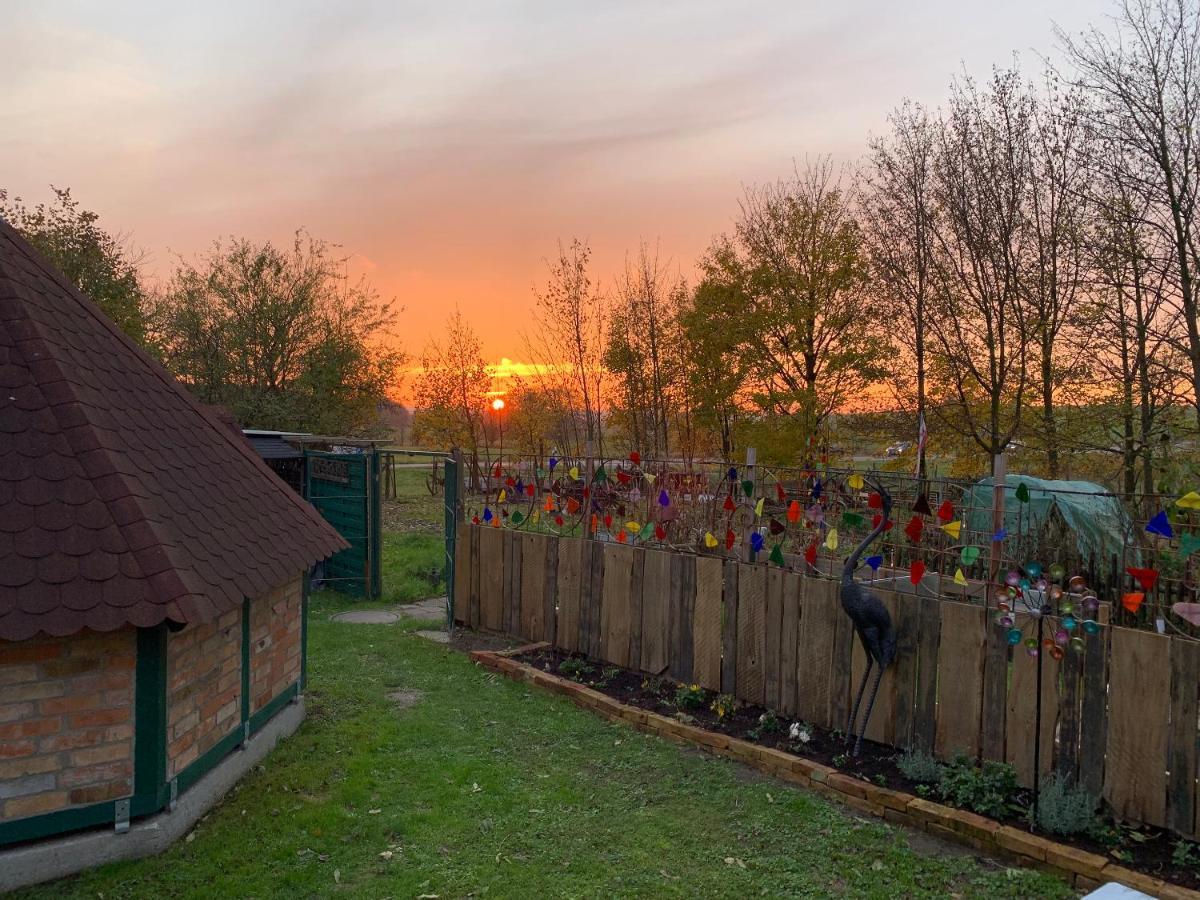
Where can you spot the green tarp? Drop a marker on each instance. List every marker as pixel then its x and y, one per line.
pixel 1093 514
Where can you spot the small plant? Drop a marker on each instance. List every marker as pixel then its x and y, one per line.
pixel 607 674
pixel 986 789
pixel 689 696
pixel 799 733
pixel 1064 808
pixel 768 723
pixel 1185 854
pixel 841 760
pixel 923 790
pixel 575 668
pixel 724 706
pixel 919 766
pixel 880 780
pixel 656 685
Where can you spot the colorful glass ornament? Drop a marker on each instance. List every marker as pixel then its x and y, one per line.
pixel 729 505
pixel 831 539
pixel 756 542
pixel 959 578
pixel 1160 525
pixel 1057 572
pixel 1022 493
pixel 758 507
pixel 660 533
pixel 916 572
pixel 913 528
pixel 953 529
pixel 777 555
pixel 730 539
pixel 875 562
pixel 1033 569
pixel 487 514
pixel 968 555
pixel 1190 500
pixel 921 506
pixel 946 511
pixel 517 518
pixel 1091 626
pixel 635 457
pixel 776 527
pixel 793 512
pixel 1145 577
pixel 710 540
pixel 810 554
pixel 1014 636
pixel 874 501
pixel 855 482
pixel 1133 600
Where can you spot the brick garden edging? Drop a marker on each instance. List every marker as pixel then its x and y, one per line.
pixel 1081 869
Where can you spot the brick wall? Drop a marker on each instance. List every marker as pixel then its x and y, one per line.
pixel 275 625
pixel 66 721
pixel 204 688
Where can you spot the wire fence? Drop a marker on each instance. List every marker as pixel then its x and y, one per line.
pixel 955 539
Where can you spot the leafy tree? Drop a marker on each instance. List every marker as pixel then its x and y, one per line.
pixel 795 273
pixel 282 337
pixel 96 261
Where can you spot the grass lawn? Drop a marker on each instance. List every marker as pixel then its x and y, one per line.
pixel 488 787
pixel 411 566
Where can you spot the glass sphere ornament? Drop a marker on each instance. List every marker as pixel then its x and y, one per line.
pixel 1061 637
pixel 1013 578
pixel 1047 643
pixel 1056 592
pixel 1057 572
pixel 1077 584
pixel 1003 607
pixel 1056 652
pixel 1031 643
pixel 1033 569
pixel 1024 584
pixel 1032 651
pixel 1077 643
pixel 1014 636
pixel 1068 623
pixel 1091 626
pixel 1006 621
pixel 1066 607
pixel 1091 604
pixel 1041 584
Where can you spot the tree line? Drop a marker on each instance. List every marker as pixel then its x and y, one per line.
pixel 1017 266
pixel 282 336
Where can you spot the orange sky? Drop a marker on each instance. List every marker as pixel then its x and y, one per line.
pixel 448 147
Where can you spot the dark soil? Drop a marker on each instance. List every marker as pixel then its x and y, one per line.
pixel 1143 849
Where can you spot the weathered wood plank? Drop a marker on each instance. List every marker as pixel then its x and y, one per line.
pixel 656 610
pixel 773 626
pixel 570 577
pixel 492 558
pixel 635 609
pixel 842 664
pixel 959 680
pixel 907 622
pixel 530 599
pixel 1135 780
pixel 814 655
pixel 752 591
pixel 882 725
pixel 924 728
pixel 682 604
pixel 476 577
pixel 1021 728
pixel 513 545
pixel 1066 754
pixel 1093 712
pixel 706 624
pixel 789 637
pixel 550 592
pixel 729 642
pixel 1181 788
pixel 995 692
pixel 614 612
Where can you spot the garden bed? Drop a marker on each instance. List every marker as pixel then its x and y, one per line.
pixel 1144 858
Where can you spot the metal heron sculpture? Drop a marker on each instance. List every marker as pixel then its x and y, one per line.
pixel 871 622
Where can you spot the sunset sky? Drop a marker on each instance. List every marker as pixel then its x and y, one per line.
pixel 448 146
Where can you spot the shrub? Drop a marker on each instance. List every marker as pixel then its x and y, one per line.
pixel 1185 854
pixel 919 766
pixel 656 685
pixel 575 668
pixel 607 675
pixel 1063 808
pixel 985 789
pixel 689 696
pixel 768 723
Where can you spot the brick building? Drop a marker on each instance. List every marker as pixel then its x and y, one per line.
pixel 152 576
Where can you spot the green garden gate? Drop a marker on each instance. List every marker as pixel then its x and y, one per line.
pixel 344 487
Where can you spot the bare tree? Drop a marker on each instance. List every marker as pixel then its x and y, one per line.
pixel 1144 83
pixel 981 322
pixel 567 340
pixel 900 213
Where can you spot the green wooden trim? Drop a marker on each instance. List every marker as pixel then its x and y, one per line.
pixel 245 661
pixel 264 715
pixel 374 529
pixel 150 718
pixel 304 630
pixel 58 822
pixel 201 765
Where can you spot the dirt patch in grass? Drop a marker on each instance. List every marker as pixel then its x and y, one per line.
pixel 1153 851
pixel 404 699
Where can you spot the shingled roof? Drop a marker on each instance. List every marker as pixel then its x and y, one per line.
pixel 122 500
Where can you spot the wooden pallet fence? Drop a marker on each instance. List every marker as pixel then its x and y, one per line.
pixel 1119 717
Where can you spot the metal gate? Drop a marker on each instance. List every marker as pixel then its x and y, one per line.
pixel 344 487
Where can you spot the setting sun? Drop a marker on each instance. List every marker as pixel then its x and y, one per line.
pixel 498 404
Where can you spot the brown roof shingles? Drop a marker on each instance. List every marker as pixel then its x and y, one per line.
pixel 122 500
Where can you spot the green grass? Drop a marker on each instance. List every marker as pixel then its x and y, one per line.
pixel 407 563
pixel 489 787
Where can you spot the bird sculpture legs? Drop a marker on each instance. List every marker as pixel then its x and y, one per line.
pixel 858 739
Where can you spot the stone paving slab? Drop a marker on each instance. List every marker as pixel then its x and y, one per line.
pixel 367 617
